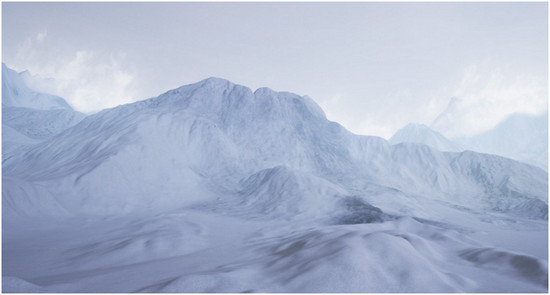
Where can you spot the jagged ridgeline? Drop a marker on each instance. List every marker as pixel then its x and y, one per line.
pixel 198 141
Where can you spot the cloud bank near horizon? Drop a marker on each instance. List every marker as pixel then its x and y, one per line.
pixel 366 65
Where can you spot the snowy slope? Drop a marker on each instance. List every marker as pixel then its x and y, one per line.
pixel 212 187
pixel 420 133
pixel 39 124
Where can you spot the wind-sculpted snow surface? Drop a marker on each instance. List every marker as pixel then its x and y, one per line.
pixel 39 124
pixel 214 188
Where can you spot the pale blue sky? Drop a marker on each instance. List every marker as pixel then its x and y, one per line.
pixel 372 67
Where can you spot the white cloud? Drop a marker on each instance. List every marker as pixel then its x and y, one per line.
pixel 88 80
pixel 92 82
pixel 487 96
pixel 41 36
pixel 330 106
pixel 381 116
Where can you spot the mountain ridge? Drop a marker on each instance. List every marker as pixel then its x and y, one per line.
pixel 519 137
pixel 229 132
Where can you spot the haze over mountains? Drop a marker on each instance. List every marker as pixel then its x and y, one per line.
pixel 213 187
pixel 520 137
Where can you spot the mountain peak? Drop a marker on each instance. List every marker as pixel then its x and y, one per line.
pixel 420 133
pixel 222 99
pixel 265 91
pixel 215 81
pixel 415 130
pixel 416 126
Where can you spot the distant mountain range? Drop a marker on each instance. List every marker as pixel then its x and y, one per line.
pixel 420 133
pixel 520 137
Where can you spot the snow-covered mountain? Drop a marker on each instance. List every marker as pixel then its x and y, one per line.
pixel 16 93
pixel 520 137
pixel 420 133
pixel 268 196
pixel 28 116
pixel 214 132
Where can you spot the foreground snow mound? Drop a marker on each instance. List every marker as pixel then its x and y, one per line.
pixel 350 260
pixel 513 264
pixel 205 252
pixel 403 255
pixel 138 241
pixel 280 192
